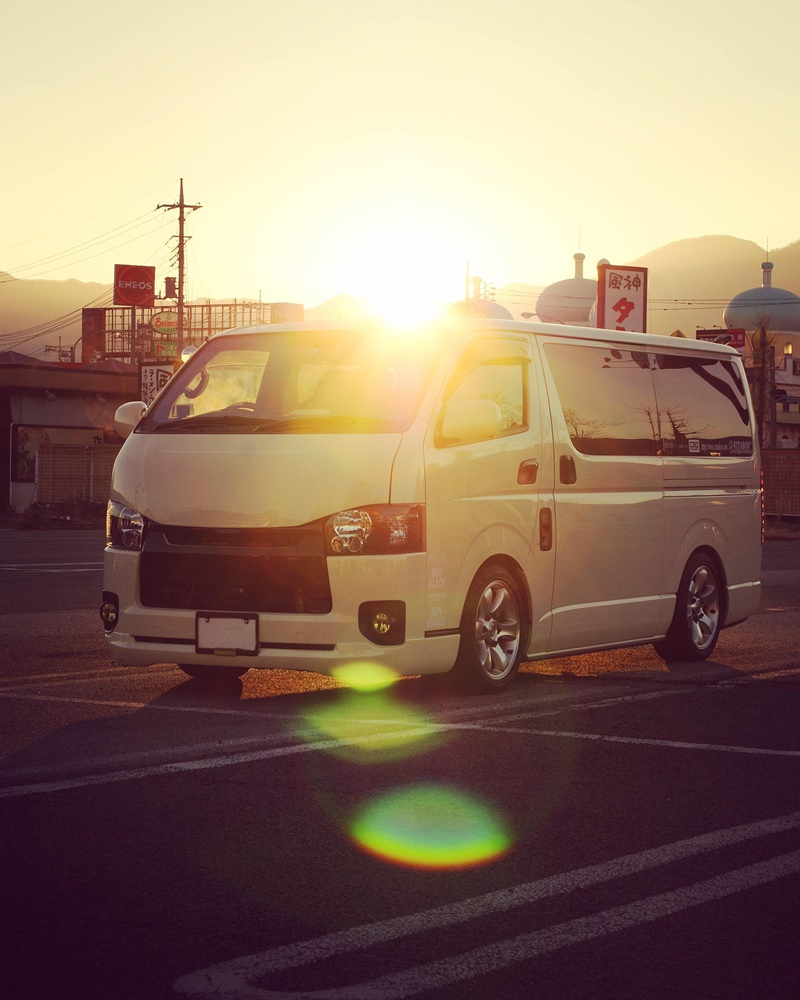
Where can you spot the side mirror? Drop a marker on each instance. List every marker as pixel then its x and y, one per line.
pixel 472 420
pixel 187 352
pixel 127 417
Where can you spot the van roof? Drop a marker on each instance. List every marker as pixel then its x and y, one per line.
pixel 464 327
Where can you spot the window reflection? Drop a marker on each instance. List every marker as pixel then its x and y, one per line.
pixel 615 404
pixel 607 398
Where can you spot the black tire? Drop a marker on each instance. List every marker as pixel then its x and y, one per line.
pixel 697 619
pixel 212 672
pixel 493 631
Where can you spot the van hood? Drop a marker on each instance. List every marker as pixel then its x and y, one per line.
pixel 251 481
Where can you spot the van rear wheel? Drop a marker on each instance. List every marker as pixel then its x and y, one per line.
pixel 493 631
pixel 696 623
pixel 212 672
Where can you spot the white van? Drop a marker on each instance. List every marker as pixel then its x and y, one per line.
pixel 486 493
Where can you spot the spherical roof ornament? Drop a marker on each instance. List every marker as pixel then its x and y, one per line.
pixel 768 307
pixel 569 301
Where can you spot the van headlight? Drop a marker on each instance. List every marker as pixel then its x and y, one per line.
pixel 124 526
pixel 378 530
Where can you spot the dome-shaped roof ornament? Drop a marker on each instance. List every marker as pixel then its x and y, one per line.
pixel 569 301
pixel 768 307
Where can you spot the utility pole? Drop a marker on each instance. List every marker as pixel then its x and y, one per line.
pixel 182 209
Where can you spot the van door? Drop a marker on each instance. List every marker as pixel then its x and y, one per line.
pixel 490 496
pixel 609 504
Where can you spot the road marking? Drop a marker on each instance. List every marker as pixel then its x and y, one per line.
pixel 55 677
pixel 24 569
pixel 137 705
pixel 162 754
pixel 160 770
pixel 311 745
pixel 235 980
pixel 639 741
pixel 46 565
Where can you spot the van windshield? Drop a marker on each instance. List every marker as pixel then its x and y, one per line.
pixel 304 381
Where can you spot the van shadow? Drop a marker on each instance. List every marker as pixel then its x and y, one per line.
pixel 623 666
pixel 206 709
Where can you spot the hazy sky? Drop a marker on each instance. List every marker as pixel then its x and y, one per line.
pixel 367 146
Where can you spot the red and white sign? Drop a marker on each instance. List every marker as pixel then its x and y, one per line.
pixel 734 338
pixel 622 298
pixel 164 322
pixel 134 285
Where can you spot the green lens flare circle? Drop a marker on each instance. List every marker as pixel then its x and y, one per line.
pixel 431 826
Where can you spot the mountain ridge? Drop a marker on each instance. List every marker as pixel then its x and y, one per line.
pixel 690 282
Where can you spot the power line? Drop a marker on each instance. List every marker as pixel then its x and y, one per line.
pixel 100 253
pixel 134 223
pixel 70 225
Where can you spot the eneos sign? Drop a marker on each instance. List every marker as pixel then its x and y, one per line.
pixel 134 285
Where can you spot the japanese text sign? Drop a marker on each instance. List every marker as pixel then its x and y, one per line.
pixel 152 379
pixel 621 298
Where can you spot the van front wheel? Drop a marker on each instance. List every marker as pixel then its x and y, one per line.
pixel 492 631
pixel 695 625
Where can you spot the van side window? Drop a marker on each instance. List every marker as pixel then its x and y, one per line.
pixel 607 399
pixel 500 380
pixel 702 405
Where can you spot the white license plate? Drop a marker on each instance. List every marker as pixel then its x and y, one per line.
pixel 227 635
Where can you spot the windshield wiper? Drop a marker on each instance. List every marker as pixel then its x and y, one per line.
pixel 210 422
pixel 221 423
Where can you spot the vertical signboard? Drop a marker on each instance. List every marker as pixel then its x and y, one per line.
pixel 622 298
pixel 152 379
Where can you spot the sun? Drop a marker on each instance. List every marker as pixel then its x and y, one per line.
pixel 405 274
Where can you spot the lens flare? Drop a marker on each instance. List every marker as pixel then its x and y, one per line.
pixel 367 727
pixel 431 826
pixel 365 676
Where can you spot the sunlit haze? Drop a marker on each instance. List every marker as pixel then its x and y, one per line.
pixel 376 148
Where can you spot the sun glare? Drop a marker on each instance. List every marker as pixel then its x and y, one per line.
pixel 405 274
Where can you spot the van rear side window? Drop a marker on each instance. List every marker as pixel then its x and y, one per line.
pixel 703 407
pixel 618 402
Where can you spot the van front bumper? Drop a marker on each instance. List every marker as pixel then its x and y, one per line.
pixel 319 643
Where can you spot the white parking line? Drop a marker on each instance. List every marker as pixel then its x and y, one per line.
pixel 56 568
pixel 236 980
pixel 209 763
pixel 638 741
pixel 111 703
pixel 160 770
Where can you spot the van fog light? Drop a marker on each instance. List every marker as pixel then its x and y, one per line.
pixel 383 622
pixel 109 611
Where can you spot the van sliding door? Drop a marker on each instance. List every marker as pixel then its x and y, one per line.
pixel 609 503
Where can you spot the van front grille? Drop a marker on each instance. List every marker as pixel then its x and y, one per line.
pixel 282 571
